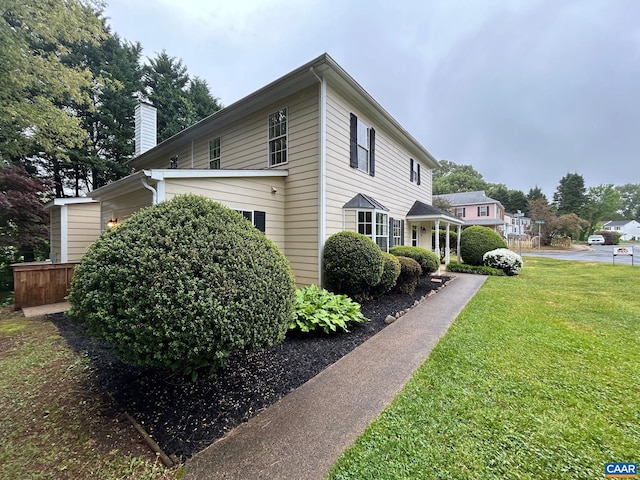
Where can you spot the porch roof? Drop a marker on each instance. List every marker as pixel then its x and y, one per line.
pixel 422 212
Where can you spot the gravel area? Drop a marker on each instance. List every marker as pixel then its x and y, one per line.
pixel 184 417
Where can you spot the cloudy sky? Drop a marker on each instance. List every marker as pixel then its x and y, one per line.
pixel 524 91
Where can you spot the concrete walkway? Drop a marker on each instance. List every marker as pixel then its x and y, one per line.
pixel 45 309
pixel 302 435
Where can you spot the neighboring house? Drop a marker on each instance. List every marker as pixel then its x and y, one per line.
pixel 516 225
pixel 475 208
pixel 308 155
pixel 628 229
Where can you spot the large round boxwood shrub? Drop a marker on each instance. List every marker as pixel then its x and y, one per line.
pixel 352 263
pixel 426 258
pixel 476 241
pixel 181 285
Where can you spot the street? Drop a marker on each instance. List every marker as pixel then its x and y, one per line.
pixel 594 253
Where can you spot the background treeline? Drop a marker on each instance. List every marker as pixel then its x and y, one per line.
pixel 574 211
pixel 68 89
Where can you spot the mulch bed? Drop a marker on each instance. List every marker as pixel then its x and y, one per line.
pixel 184 417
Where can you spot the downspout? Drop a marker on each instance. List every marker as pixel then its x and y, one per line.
pixel 143 180
pixel 191 153
pixel 322 172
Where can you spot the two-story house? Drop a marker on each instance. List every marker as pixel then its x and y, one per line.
pixel 475 208
pixel 628 229
pixel 306 156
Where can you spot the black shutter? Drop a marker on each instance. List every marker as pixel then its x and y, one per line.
pixel 353 142
pixel 418 174
pixel 260 220
pixel 390 232
pixel 372 152
pixel 401 232
pixel 411 170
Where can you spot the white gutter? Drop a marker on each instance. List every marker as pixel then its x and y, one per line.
pixel 143 180
pixel 322 172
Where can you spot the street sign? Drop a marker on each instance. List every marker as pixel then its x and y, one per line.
pixel 539 222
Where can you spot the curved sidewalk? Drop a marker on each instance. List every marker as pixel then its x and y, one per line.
pixel 303 434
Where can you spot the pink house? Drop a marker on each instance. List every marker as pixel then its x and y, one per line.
pixel 475 208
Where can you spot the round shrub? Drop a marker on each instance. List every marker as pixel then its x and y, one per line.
pixel 427 259
pixel 504 259
pixel 409 275
pixel 390 274
pixel 352 263
pixel 476 241
pixel 181 285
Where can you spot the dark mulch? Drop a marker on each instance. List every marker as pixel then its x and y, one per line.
pixel 185 417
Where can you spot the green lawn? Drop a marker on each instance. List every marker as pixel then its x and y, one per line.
pixel 538 378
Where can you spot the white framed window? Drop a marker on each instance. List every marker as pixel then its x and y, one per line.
pixel 483 211
pixel 255 217
pixel 375 225
pixel 214 153
pixel 414 236
pixel 363 146
pixel 461 212
pixel 278 138
pixel 397 232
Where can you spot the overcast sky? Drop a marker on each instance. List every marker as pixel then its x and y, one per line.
pixel 524 91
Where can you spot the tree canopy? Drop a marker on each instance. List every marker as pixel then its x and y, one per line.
pixel 450 177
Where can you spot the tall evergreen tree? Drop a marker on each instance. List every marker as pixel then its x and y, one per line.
pixel 535 193
pixel 570 196
pixel 117 83
pixel 202 102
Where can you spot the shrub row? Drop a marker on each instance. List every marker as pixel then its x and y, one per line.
pixel 465 268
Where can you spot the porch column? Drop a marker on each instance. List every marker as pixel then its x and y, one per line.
pixel 458 242
pixel 437 246
pixel 447 257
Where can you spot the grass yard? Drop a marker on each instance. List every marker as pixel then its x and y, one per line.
pixel 54 423
pixel 538 378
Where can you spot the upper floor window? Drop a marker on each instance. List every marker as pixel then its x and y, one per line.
pixel 214 153
pixel 415 171
pixel 483 211
pixel 461 212
pixel 278 137
pixel 362 146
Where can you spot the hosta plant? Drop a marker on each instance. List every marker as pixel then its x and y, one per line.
pixel 318 309
pixel 504 259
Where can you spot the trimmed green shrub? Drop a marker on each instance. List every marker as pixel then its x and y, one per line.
pixel 318 309
pixel 480 270
pixel 476 241
pixel 427 259
pixel 181 285
pixel 352 263
pixel 390 274
pixel 610 237
pixel 410 271
pixel 453 238
pixel 504 259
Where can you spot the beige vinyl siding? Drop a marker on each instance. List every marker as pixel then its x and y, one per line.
pixel 240 194
pixel 123 206
pixel 83 228
pixel 56 234
pixel 391 184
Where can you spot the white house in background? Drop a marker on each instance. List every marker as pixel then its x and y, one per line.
pixel 628 229
pixel 516 224
pixel 306 156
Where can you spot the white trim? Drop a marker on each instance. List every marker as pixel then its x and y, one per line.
pixel 161 174
pixel 160 188
pixel 68 201
pixel 322 173
pixel 64 233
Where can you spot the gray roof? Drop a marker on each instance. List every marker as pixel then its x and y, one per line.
pixel 617 223
pixel 420 209
pixel 364 201
pixel 467 198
